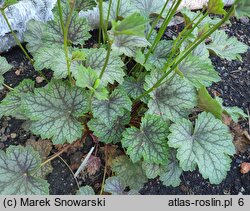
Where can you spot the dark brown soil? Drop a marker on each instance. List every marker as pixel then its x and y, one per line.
pixel 234 89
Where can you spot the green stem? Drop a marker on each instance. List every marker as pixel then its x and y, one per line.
pixel 117 9
pixel 189 50
pixel 65 30
pixel 109 9
pixel 102 26
pixel 106 60
pixel 15 37
pixel 157 20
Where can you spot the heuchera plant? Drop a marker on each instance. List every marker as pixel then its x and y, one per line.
pixel 132 89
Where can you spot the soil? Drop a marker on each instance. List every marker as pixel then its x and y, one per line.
pixel 234 89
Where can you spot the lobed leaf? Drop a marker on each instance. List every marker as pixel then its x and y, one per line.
pixel 54 110
pixel 149 142
pixel 4 67
pixel 17 168
pixel 208 145
pixel 85 190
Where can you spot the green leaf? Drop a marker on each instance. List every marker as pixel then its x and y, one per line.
pixel 84 5
pixel 113 71
pixel 54 110
pixel 125 8
pixel 170 176
pixel 39 34
pixel 131 25
pixel 53 58
pixel 78 56
pixel 161 54
pixel 173 99
pixel 110 132
pixel 17 167
pixel 208 145
pixel 108 110
pixel 216 7
pixel 4 67
pixel 148 7
pixel 134 88
pixel 149 142
pixel 207 103
pixel 243 8
pixel 11 104
pixel 85 190
pixel 128 45
pixel 116 186
pixel 152 170
pixel 132 173
pixel 7 3
pixel 86 77
pixel 199 71
pixel 226 48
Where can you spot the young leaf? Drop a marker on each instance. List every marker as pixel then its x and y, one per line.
pixel 111 132
pixel 17 167
pixel 113 71
pixel 108 110
pixel 152 170
pixel 149 142
pixel 128 45
pixel 85 190
pixel 216 7
pixel 207 103
pixel 11 104
pixel 172 99
pixel 53 58
pixel 131 25
pixel 226 48
pixel 131 173
pixel 86 77
pixel 4 67
pixel 54 110
pixel 208 145
pixel 170 176
pixel 198 71
pixel 116 186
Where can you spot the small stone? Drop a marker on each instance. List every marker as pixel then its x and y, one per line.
pixel 39 79
pixel 244 20
pixel 13 135
pixel 18 72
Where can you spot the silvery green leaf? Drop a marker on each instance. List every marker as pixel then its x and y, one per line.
pixel 93 17
pixel 110 132
pixel 17 166
pixel 54 110
pixel 208 145
pixel 53 57
pixel 149 142
pixel 243 9
pixel 125 9
pixel 116 186
pixel 173 99
pixel 201 51
pixel 128 44
pixel 148 7
pixel 132 173
pixel 152 170
pixel 225 47
pixel 161 54
pixel 113 72
pixel 11 104
pixel 198 71
pixel 85 4
pixel 134 88
pixel 85 190
pixel 44 35
pixel 170 174
pixel 108 110
pixel 4 67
